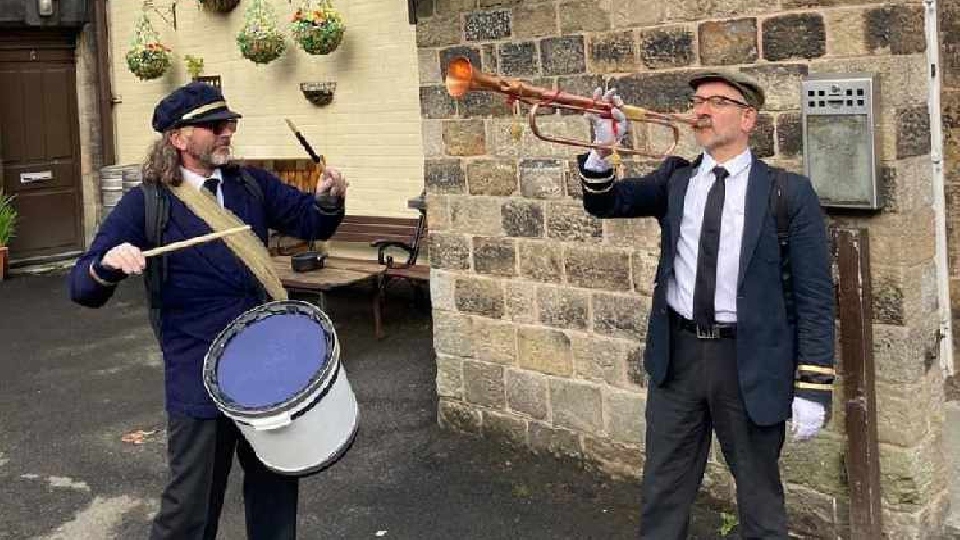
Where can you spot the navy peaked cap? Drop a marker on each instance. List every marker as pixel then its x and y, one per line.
pixel 193 103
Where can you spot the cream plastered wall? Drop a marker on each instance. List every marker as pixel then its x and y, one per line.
pixel 371 130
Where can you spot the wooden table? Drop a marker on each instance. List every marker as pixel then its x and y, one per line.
pixel 336 272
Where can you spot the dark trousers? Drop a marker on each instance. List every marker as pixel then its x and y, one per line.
pixel 200 454
pixel 702 392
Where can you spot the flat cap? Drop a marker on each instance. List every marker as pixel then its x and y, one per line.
pixel 748 87
pixel 193 103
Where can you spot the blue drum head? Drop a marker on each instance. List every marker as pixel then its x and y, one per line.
pixel 271 360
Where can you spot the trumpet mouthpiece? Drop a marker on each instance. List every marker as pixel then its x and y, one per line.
pixel 459 76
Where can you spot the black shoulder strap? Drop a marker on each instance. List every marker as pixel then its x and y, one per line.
pixel 778 207
pixel 156 212
pixel 251 184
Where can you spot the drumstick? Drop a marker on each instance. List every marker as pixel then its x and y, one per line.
pixel 193 241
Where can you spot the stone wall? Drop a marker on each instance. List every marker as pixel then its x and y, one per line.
pixel 949 17
pixel 540 310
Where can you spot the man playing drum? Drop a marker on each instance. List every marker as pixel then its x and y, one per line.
pixel 195 293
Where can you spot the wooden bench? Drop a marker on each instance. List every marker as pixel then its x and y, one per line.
pixel 398 244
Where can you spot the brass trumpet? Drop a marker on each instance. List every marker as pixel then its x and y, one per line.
pixel 462 78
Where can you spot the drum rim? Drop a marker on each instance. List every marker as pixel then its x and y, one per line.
pixel 293 403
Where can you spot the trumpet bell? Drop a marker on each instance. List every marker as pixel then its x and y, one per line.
pixel 459 77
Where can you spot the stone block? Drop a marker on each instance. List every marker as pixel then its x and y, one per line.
pixel 521 302
pixel 505 428
pixel 494 256
pixel 449 377
pixel 483 384
pixel 815 514
pixel 668 47
pixel 424 9
pixel 563 55
pixel 479 296
pixel 913 132
pixel 628 14
pixel 432 136
pixel 912 476
pixel 597 268
pixel 497 177
pixel 554 441
pixel 464 137
pixel 899 353
pixel 493 341
pixel 541 261
pixel 438 31
pixel 569 222
pixel 527 393
pixel 846 32
pixel 449 251
pixel 602 359
pixel 476 215
pixel 908 75
pixel 584 16
pixel 624 412
pixel 455 415
pixel 544 350
pixel 638 233
pixel 483 4
pixel 441 290
pixel 429 67
pixel 443 176
pixel 451 334
pixel 781 84
pixel 728 42
pixel 817 464
pixel 541 178
pixel 800 35
pixel 900 418
pixel 563 308
pixel 612 52
pixel 486 25
pixel 532 21
pixel 789 135
pixel 576 405
pixel 622 316
pixel 453 7
pixel 522 218
pixel 895 30
pixel 658 91
pixel 489 56
pixel 506 143
pixel 644 267
pixel 761 140
pixel 518 59
pixel 435 102
pixel 616 459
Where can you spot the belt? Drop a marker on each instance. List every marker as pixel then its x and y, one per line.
pixel 711 331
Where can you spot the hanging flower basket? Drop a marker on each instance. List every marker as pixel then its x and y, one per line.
pixel 149 61
pixel 320 30
pixel 219 6
pixel 259 39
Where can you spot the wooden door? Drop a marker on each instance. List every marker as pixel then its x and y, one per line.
pixel 39 142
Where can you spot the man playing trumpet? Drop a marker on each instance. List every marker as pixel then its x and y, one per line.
pixel 732 346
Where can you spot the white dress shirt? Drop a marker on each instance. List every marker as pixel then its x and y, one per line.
pixel 197 180
pixel 681 283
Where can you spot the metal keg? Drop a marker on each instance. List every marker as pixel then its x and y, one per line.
pixel 132 176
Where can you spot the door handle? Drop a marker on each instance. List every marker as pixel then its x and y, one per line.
pixel 29 178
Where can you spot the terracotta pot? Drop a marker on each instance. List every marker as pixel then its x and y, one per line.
pixel 220 6
pixel 4 263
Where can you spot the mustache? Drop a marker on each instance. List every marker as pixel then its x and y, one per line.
pixel 702 122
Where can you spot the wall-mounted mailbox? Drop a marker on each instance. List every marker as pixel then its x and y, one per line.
pixel 840 113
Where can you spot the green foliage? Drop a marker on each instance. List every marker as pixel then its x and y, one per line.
pixel 728 522
pixel 8 218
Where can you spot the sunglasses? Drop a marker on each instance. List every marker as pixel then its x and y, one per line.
pixel 217 127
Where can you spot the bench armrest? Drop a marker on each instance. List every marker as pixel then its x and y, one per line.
pixel 382 247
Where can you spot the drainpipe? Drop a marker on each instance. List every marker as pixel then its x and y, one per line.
pixel 945 334
pixel 104 85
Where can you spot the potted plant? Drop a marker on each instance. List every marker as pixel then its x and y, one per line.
pixel 319 30
pixel 147 58
pixel 194 65
pixel 219 6
pixel 8 222
pixel 259 39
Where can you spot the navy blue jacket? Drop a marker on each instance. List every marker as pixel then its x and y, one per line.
pixel 778 356
pixel 207 286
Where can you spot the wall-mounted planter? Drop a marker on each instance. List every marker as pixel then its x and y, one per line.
pixel 219 6
pixel 319 93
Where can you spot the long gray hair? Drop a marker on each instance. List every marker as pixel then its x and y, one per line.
pixel 162 165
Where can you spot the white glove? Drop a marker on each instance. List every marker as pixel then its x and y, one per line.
pixel 808 418
pixel 606 130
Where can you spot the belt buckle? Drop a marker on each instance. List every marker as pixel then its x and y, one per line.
pixel 707 332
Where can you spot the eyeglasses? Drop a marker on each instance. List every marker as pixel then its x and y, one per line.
pixel 218 126
pixel 716 102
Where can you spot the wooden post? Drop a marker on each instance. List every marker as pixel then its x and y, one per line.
pixel 859 394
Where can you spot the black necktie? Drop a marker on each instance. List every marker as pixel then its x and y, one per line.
pixel 704 293
pixel 210 184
